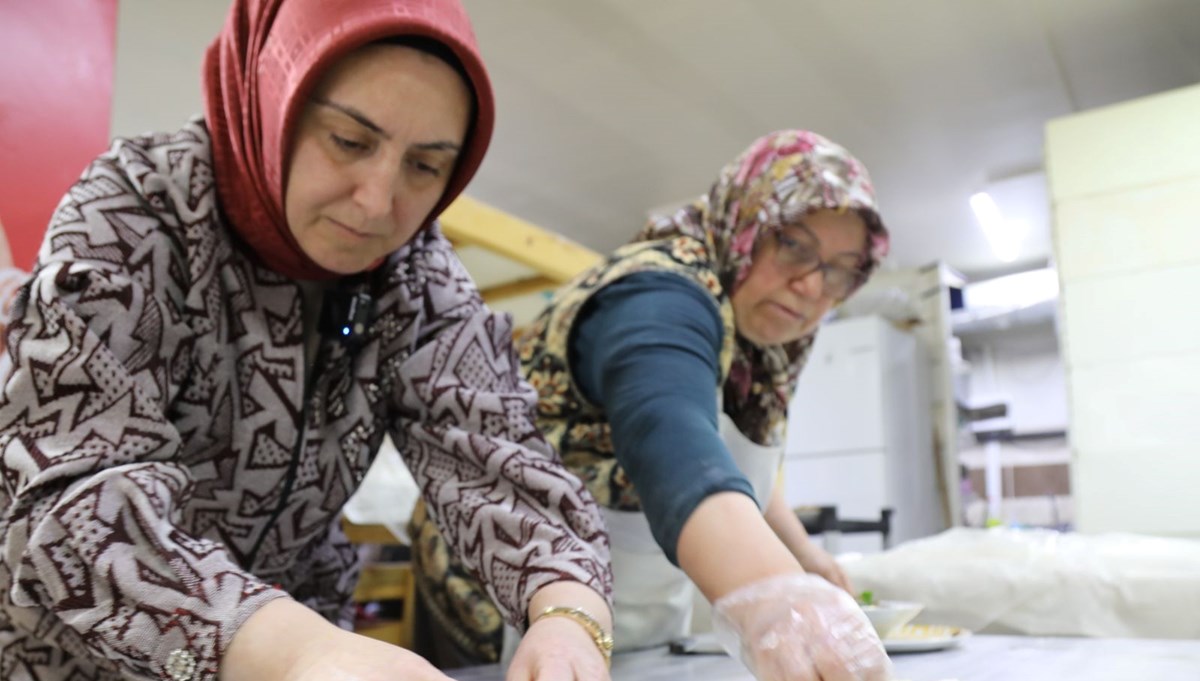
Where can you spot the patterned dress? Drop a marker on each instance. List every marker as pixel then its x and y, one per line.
pixel 170 463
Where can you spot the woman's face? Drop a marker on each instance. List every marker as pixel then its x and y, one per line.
pixel 373 151
pixel 785 293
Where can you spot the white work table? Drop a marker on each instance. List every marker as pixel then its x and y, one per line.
pixel 979 658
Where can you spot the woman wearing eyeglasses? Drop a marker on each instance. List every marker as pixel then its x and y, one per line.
pixel 664 377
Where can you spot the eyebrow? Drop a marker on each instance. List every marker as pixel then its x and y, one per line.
pixel 355 114
pixel 371 125
pixel 799 222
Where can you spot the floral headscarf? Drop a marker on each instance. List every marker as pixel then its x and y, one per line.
pixel 779 178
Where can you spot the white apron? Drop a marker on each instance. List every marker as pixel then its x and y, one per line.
pixel 652 599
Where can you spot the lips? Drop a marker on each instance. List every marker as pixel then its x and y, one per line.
pixel 788 312
pixel 350 230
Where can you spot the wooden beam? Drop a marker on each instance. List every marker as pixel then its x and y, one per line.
pixel 520 287
pixel 471 222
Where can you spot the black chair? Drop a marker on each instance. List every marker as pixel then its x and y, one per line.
pixel 824 521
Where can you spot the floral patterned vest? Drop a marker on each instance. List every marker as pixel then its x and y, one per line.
pixel 576 427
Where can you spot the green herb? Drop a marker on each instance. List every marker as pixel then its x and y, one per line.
pixel 867 598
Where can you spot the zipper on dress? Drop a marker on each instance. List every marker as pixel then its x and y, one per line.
pixel 289 480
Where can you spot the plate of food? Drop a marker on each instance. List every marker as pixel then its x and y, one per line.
pixel 921 638
pixel 887 616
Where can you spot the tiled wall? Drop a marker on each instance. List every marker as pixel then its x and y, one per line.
pixel 1125 188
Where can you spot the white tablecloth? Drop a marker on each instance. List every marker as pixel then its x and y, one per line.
pixel 979 658
pixel 1043 583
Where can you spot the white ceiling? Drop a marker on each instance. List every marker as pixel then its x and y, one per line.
pixel 608 108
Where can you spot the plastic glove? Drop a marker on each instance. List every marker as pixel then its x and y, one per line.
pixel 799 627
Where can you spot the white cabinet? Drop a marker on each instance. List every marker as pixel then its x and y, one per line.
pixel 925 296
pixel 860 431
pixel 844 367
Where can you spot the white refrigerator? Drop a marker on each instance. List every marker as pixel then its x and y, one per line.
pixel 860 432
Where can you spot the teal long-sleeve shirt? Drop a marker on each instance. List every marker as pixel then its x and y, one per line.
pixel 647 349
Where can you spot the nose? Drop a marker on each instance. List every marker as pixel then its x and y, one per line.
pixel 810 285
pixel 375 190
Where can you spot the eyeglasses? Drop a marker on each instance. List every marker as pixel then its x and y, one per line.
pixel 798 252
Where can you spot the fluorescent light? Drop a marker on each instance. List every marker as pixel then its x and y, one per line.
pixel 1008 245
pixel 1004 236
pixel 986 211
pixel 1013 291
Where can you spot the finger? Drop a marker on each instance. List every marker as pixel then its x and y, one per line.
pixel 784 663
pixel 830 665
pixel 555 670
pixel 518 670
pixel 844 582
pixel 587 672
pixel 851 656
pixel 837 577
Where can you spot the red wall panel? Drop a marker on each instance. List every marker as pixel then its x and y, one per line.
pixel 56 76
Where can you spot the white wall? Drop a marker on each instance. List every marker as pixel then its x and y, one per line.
pixel 1125 187
pixel 160 47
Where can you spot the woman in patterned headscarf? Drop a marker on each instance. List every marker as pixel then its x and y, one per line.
pixel 222 325
pixel 664 377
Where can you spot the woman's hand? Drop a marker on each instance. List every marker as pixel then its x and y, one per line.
pixel 800 628
pixel 557 649
pixel 349 657
pixel 818 561
pixel 791 532
pixel 285 641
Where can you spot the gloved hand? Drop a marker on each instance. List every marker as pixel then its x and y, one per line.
pixel 799 627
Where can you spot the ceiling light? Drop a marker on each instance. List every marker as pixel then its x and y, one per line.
pixel 1013 291
pixel 1004 236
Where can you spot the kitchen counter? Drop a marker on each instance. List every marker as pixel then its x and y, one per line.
pixel 979 658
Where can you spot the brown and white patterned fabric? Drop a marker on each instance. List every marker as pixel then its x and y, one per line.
pixel 169 464
pixel 11 281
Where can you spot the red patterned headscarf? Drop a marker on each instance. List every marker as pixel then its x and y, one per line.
pixel 258 74
pixel 779 178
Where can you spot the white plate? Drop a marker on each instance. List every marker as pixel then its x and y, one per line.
pixel 920 638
